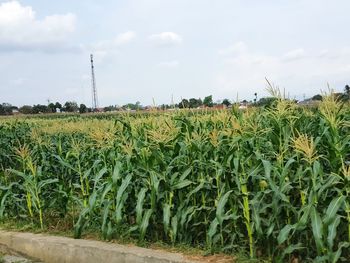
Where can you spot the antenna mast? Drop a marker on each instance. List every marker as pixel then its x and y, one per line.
pixel 93 82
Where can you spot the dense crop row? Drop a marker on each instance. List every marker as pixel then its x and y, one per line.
pixel 275 182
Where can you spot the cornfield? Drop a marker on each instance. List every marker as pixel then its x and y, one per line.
pixel 273 182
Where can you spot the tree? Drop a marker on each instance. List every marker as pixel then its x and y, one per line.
pixel 83 108
pixel 40 109
pixel 226 102
pixel 347 91
pixel 194 103
pixel 132 106
pixel 317 97
pixel 71 106
pixel 26 109
pixel 208 101
pixel 266 102
pixel 184 104
pixel 5 109
pixel 110 108
pixel 165 106
pixel 52 107
pixel 58 105
pixel 138 105
pixel 13 108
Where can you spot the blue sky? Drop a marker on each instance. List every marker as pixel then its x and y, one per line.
pixel 147 49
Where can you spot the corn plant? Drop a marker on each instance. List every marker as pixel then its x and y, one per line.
pixel 273 182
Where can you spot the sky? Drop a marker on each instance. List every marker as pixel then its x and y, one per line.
pixel 156 50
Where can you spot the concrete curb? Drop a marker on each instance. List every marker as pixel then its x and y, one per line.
pixel 52 249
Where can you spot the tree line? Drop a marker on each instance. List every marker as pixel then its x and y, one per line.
pixel 69 106
pixel 192 103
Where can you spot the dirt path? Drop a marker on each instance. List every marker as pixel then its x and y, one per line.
pixel 15 259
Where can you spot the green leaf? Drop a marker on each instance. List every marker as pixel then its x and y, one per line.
pixel 332 232
pixel 3 202
pixel 78 227
pixel 267 168
pixel 221 206
pixel 212 231
pixel 87 173
pixel 333 209
pixel 290 249
pixel 106 190
pixel 284 233
pixel 185 174
pixel 166 217
pixel 124 185
pixel 121 198
pixel 104 219
pixel 145 223
pixel 46 182
pixel 116 172
pixel 174 223
pixel 99 176
pixel 305 211
pixel 256 219
pixel 317 229
pixel 110 231
pixel 66 164
pixel 181 184
pixel 93 199
pixel 213 227
pixel 139 205
pixel 337 254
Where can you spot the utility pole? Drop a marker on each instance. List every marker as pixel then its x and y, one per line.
pixel 93 82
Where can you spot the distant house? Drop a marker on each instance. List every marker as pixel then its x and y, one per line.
pixel 148 108
pixel 309 102
pixel 98 110
pixel 220 106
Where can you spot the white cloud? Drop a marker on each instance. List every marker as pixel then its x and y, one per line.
pixel 17 81
pixel 346 69
pixel 21 30
pixel 169 64
pixel 101 55
pixel 239 47
pixel 72 91
pixel 244 71
pixel 294 55
pixel 85 77
pixel 166 39
pixel 105 47
pixel 125 38
pixel 324 53
pixel 334 54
